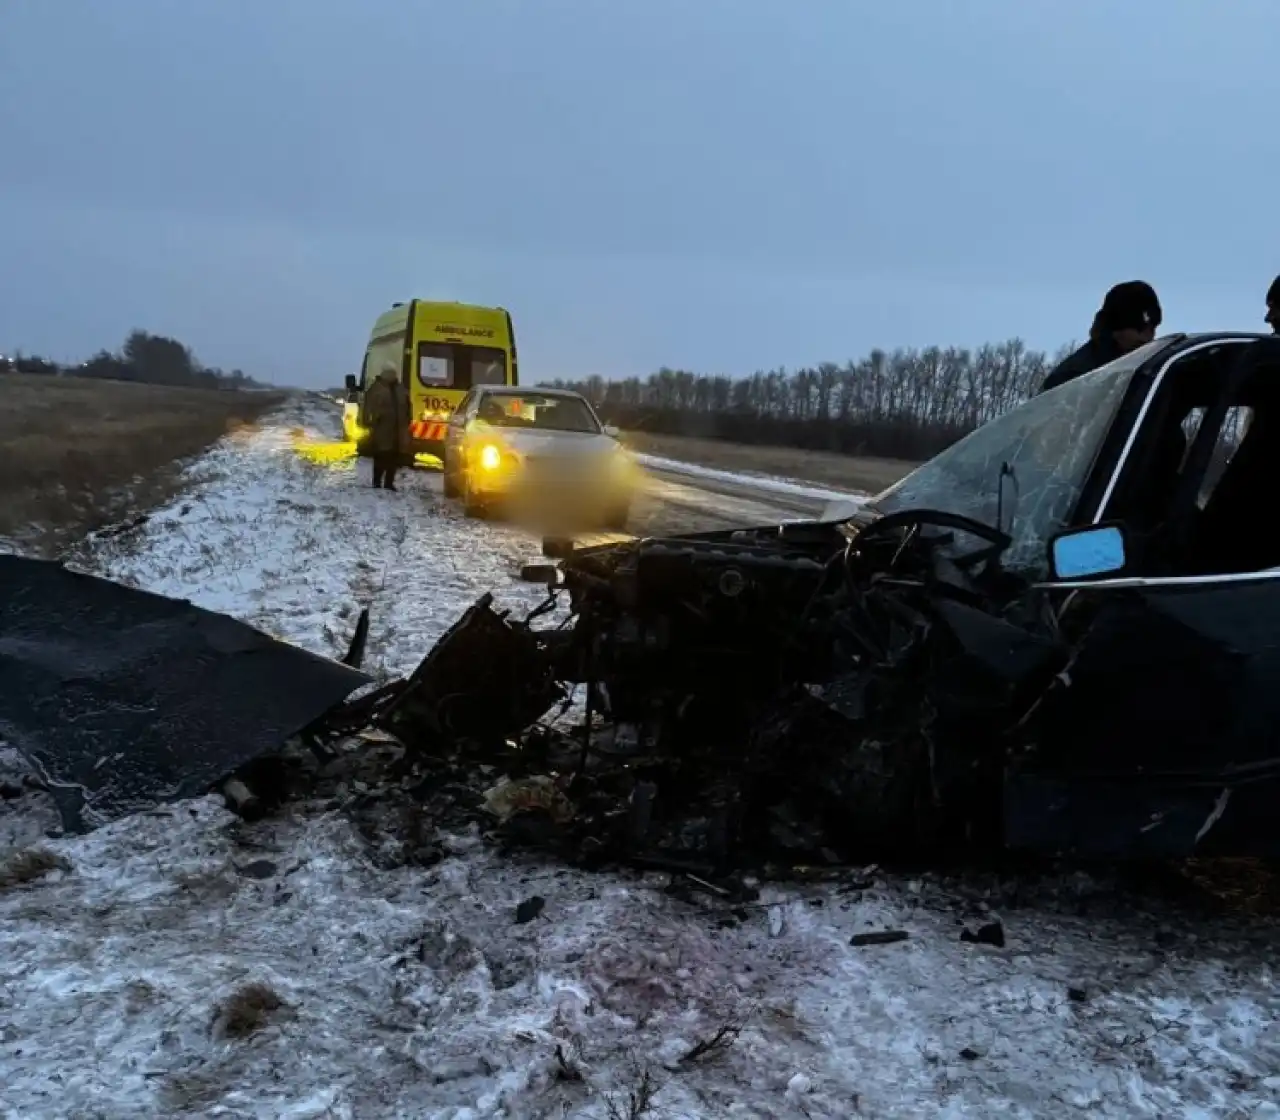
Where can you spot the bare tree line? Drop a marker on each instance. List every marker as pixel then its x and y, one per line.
pixel 906 404
pixel 149 358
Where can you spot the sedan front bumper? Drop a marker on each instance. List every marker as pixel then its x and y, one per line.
pixel 554 486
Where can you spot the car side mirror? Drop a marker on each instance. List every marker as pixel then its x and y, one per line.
pixel 612 431
pixel 1093 550
pixel 351 383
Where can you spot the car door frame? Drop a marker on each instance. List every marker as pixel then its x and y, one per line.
pixel 1186 816
pixel 1144 394
pixel 1101 513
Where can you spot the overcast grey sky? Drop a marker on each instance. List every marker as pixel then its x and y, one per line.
pixel 721 185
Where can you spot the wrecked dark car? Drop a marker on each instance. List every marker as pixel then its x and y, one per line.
pixel 1059 635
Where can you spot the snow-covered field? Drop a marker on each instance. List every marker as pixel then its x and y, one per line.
pixel 416 992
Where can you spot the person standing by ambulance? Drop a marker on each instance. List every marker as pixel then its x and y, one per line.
pixel 386 419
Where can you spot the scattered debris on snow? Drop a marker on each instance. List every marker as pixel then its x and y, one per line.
pixel 879 937
pixel 990 933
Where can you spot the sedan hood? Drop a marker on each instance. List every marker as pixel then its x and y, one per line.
pixel 529 442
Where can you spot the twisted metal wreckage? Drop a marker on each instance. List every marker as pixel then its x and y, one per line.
pixel 804 692
pixel 847 690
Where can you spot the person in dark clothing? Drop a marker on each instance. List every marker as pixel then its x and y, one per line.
pixel 1273 306
pixel 1127 319
pixel 386 418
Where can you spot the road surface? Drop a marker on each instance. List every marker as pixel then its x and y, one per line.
pixel 671 502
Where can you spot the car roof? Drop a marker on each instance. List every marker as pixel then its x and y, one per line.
pixel 1187 340
pixel 1209 336
pixel 1169 347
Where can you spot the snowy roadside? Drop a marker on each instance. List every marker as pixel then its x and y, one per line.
pixel 417 992
pixel 285 535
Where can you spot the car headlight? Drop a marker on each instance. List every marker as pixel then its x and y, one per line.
pixel 490 457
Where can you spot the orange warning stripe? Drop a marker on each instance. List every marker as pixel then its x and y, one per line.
pixel 428 429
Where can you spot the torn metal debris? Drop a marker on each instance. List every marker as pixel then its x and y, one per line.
pixel 751 695
pixel 121 699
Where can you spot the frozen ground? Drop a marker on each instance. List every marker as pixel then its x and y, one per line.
pixel 416 993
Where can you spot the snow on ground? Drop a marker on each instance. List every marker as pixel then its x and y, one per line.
pixel 763 483
pixel 416 992
pixel 283 531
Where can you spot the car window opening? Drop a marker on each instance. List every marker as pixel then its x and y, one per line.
pixel 1221 531
pixel 457 365
pixel 543 413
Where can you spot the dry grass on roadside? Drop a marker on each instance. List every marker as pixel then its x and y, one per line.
pixel 17 868
pixel 78 454
pixel 247 1010
pixel 824 468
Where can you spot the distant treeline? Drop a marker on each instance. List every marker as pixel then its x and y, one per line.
pixel 144 357
pixel 907 404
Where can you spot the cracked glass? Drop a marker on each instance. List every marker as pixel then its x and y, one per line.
pixel 1049 444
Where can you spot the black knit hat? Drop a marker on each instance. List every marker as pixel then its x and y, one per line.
pixel 1273 293
pixel 1132 304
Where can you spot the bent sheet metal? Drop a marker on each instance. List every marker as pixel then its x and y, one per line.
pixel 122 699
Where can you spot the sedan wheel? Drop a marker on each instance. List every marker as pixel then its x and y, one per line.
pixel 617 518
pixel 472 506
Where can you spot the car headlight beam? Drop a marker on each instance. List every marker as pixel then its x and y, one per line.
pixel 490 457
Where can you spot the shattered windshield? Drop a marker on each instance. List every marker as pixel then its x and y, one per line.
pixel 1049 444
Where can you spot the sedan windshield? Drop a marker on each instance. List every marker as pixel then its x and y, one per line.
pixel 1049 445
pixel 541 413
